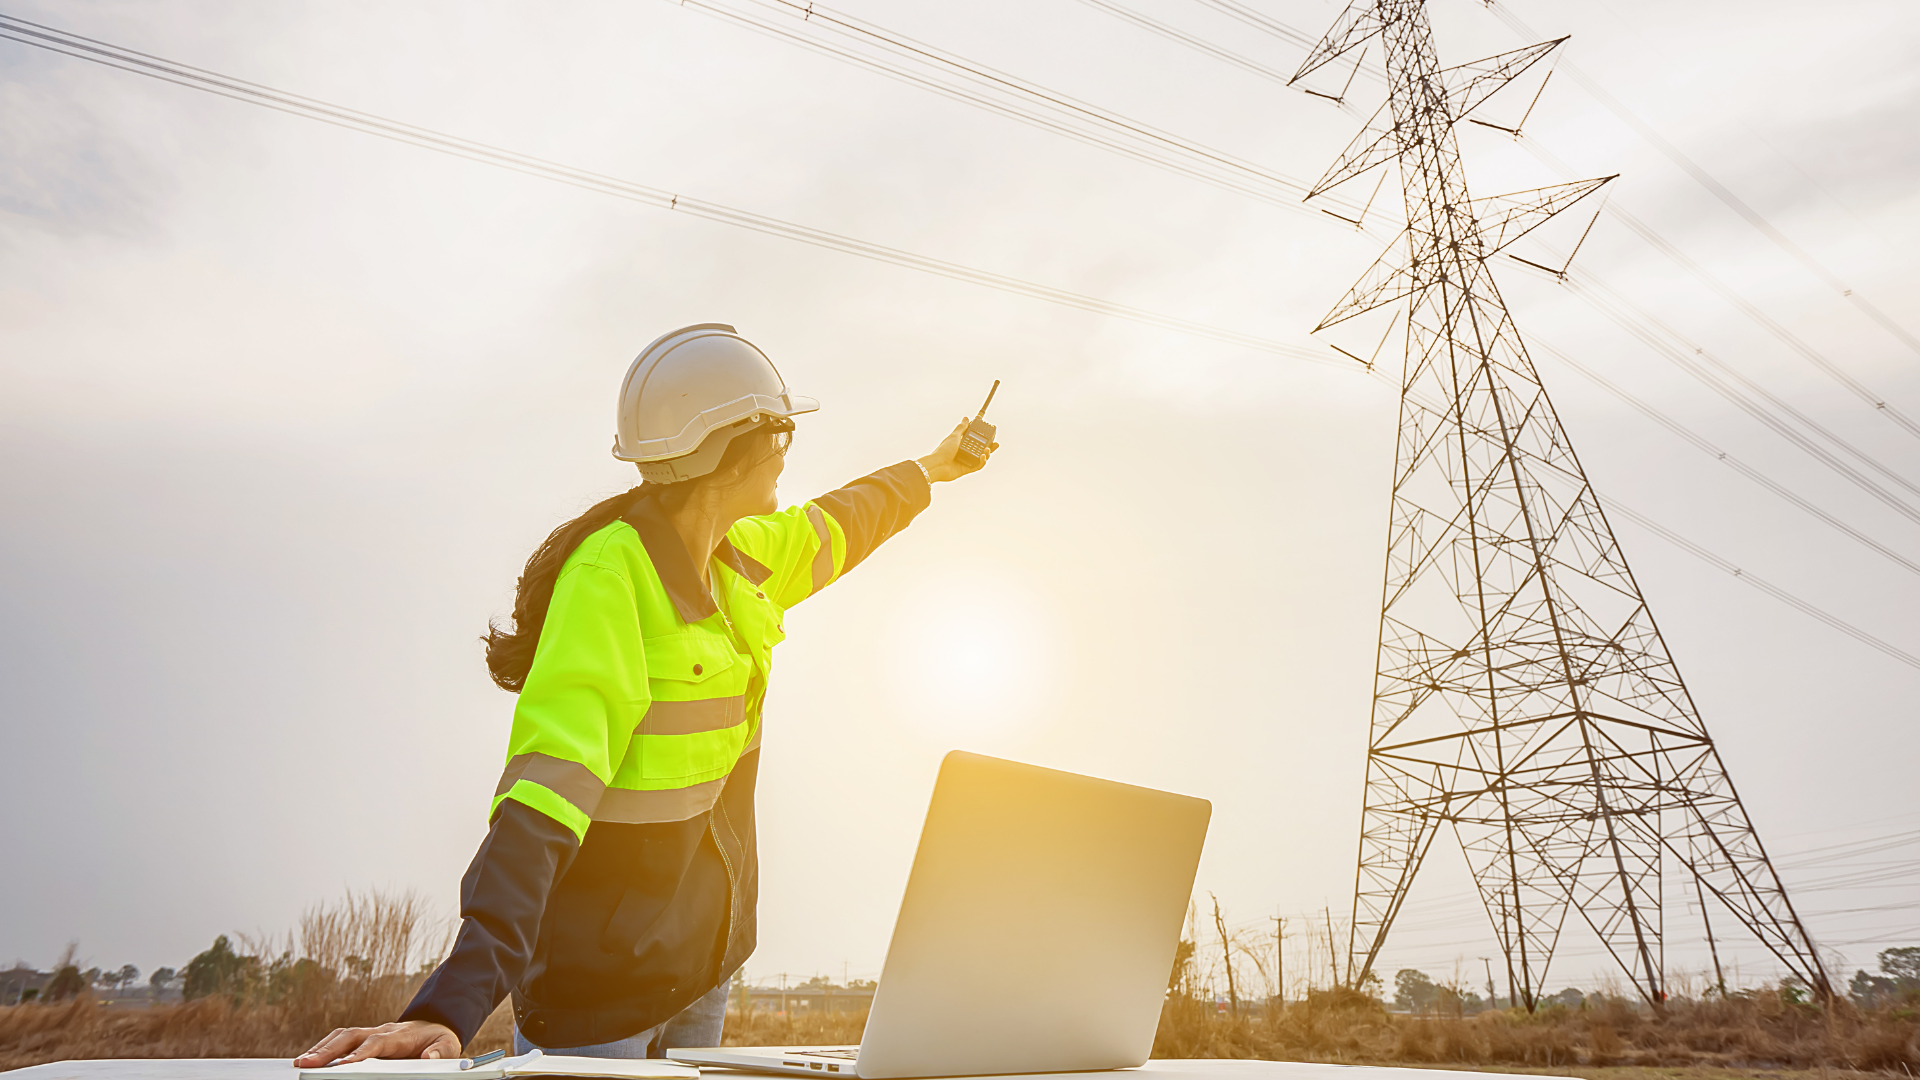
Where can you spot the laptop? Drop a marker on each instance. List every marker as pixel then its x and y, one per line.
pixel 1036 935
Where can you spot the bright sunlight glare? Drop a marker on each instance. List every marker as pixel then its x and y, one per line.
pixel 975 653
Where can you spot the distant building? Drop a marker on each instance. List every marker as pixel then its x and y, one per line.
pixel 812 998
pixel 18 979
pixel 21 983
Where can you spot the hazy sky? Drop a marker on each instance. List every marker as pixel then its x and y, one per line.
pixel 284 408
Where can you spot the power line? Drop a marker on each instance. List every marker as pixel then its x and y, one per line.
pixel 124 59
pixel 1198 45
pixel 1698 442
pixel 1262 22
pixel 1614 506
pixel 1690 363
pixel 1012 97
pixel 1752 311
pixel 1660 243
pixel 1719 190
pixel 813 15
pixel 1740 303
pixel 1728 565
pixel 139 63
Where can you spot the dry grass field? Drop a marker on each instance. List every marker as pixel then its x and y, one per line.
pixel 1760 1029
pixel 358 962
pixel 1754 1035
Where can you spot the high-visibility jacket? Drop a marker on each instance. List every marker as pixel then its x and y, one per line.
pixel 618 879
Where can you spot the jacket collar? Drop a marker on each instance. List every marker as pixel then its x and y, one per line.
pixel 670 561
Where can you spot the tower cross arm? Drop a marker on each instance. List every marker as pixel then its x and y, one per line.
pixel 1374 146
pixel 1387 280
pixel 1502 219
pixel 1471 84
pixel 1361 20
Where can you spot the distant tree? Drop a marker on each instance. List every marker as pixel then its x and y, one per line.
pixel 1412 990
pixel 1182 958
pixel 219 970
pixel 129 975
pixel 92 976
pixel 1902 966
pixel 1569 997
pixel 287 977
pixel 161 979
pixel 67 982
pixel 1871 991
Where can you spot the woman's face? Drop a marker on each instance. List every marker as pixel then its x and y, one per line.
pixel 757 491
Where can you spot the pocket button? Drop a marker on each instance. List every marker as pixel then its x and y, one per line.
pixel 696 669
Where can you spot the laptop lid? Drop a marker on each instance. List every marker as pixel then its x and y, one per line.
pixel 1039 924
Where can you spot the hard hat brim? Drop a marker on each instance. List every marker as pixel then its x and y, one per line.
pixel 689 438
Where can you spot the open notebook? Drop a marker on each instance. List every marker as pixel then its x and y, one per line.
pixel 534 1064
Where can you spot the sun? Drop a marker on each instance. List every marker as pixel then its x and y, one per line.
pixel 975 654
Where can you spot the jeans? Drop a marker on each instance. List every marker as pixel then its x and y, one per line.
pixel 698 1024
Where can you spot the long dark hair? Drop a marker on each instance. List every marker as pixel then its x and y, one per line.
pixel 510 648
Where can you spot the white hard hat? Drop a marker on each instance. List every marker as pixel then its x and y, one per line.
pixel 689 394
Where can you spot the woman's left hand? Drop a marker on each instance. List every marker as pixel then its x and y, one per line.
pixel 942 464
pixel 406 1039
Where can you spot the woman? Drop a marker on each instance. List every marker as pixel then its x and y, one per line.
pixel 614 894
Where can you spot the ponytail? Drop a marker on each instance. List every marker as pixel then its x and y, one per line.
pixel 510 651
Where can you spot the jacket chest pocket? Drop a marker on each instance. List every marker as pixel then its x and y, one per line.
pixel 684 667
pixel 695 725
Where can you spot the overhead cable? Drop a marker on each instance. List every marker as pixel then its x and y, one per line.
pixel 1614 506
pixel 1690 363
pixel 109 55
pixel 1699 442
pixel 1262 22
pixel 1611 505
pixel 919 64
pixel 1752 311
pixel 1719 190
pixel 1746 307
pixel 1198 45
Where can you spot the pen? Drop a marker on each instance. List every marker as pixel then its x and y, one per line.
pixel 486 1058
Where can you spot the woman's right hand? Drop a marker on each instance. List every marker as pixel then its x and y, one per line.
pixel 408 1039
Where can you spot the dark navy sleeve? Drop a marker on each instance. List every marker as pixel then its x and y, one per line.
pixel 501 901
pixel 876 506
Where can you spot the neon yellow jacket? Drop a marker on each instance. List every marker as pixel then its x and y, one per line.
pixel 618 879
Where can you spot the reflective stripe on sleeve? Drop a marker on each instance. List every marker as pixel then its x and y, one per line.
pixel 570 780
pixel 822 559
pixel 629 807
pixel 692 717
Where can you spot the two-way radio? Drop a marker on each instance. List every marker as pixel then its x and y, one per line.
pixel 977 440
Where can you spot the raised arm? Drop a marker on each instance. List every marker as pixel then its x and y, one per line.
pixel 810 546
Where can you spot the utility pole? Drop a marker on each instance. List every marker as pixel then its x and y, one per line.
pixel 1492 1000
pixel 1333 958
pixel 1280 960
pixel 1226 954
pixel 1719 979
pixel 1523 696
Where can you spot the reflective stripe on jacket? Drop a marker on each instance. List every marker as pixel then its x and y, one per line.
pixel 618 879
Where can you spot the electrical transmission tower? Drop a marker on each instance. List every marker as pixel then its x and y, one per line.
pixel 1523 696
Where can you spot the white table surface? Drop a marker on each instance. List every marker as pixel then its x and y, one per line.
pixel 282 1069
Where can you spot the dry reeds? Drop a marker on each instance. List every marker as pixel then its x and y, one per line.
pixel 350 963
pixel 1756 1029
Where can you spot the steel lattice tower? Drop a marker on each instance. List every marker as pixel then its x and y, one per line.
pixel 1522 695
